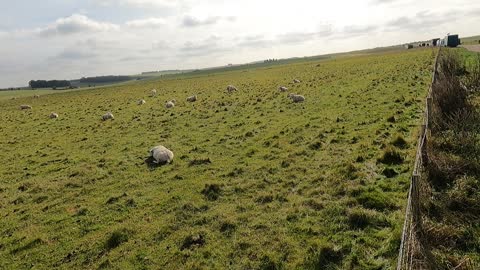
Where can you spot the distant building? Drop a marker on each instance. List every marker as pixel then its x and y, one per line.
pixel 435 41
pixel 450 41
pixel 408 46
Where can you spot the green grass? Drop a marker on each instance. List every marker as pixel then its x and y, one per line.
pixel 287 185
pixel 11 94
pixel 470 40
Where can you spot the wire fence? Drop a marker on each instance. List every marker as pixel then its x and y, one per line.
pixel 412 255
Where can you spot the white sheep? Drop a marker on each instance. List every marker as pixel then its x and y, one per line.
pixel 25 107
pixel 231 88
pixel 192 98
pixel 36 96
pixel 107 116
pixel 53 115
pixel 141 102
pixel 296 98
pixel 283 89
pixel 296 81
pixel 161 154
pixel 170 104
pixel 153 92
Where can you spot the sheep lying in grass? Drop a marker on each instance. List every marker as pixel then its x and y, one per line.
pixel 170 104
pixel 296 98
pixel 296 81
pixel 283 89
pixel 141 102
pixel 107 116
pixel 53 115
pixel 231 88
pixel 25 107
pixel 36 96
pixel 153 92
pixel 192 98
pixel 161 155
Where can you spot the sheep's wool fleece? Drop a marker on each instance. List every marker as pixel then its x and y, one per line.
pixel 161 154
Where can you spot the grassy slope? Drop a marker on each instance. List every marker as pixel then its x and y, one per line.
pixel 4 95
pixel 288 173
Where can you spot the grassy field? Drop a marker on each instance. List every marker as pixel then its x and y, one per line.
pixel 10 94
pixel 470 40
pixel 257 182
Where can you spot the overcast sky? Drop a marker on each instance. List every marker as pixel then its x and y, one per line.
pixel 68 39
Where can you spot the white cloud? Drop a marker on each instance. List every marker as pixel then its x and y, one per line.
pixel 73 24
pixel 146 23
pixel 137 3
pixel 191 21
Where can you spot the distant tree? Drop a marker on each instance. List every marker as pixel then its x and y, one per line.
pixel 49 84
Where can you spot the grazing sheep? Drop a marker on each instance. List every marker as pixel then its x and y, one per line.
pixel 170 104
pixel 141 102
pixel 107 116
pixel 192 98
pixel 161 154
pixel 36 96
pixel 153 92
pixel 25 107
pixel 231 88
pixel 296 81
pixel 53 115
pixel 296 98
pixel 283 89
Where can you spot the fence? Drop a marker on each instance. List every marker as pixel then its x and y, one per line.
pixel 412 255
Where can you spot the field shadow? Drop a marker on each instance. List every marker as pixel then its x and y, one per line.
pixel 152 165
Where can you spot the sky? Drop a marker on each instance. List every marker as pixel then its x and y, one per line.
pixel 70 39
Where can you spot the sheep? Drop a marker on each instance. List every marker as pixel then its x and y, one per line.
pixel 36 96
pixel 161 155
pixel 296 98
pixel 231 88
pixel 53 115
pixel 107 116
pixel 170 104
pixel 192 98
pixel 283 89
pixel 25 107
pixel 296 81
pixel 153 92
pixel 141 102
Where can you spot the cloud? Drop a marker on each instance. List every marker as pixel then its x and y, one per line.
pixel 190 21
pixel 205 47
pixel 380 2
pixel 256 41
pixel 358 30
pixel 138 3
pixel 74 54
pixel 73 24
pixel 146 23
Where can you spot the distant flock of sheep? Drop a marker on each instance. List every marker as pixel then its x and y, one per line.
pixel 160 154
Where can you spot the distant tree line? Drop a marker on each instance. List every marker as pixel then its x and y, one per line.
pixel 49 84
pixel 104 79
